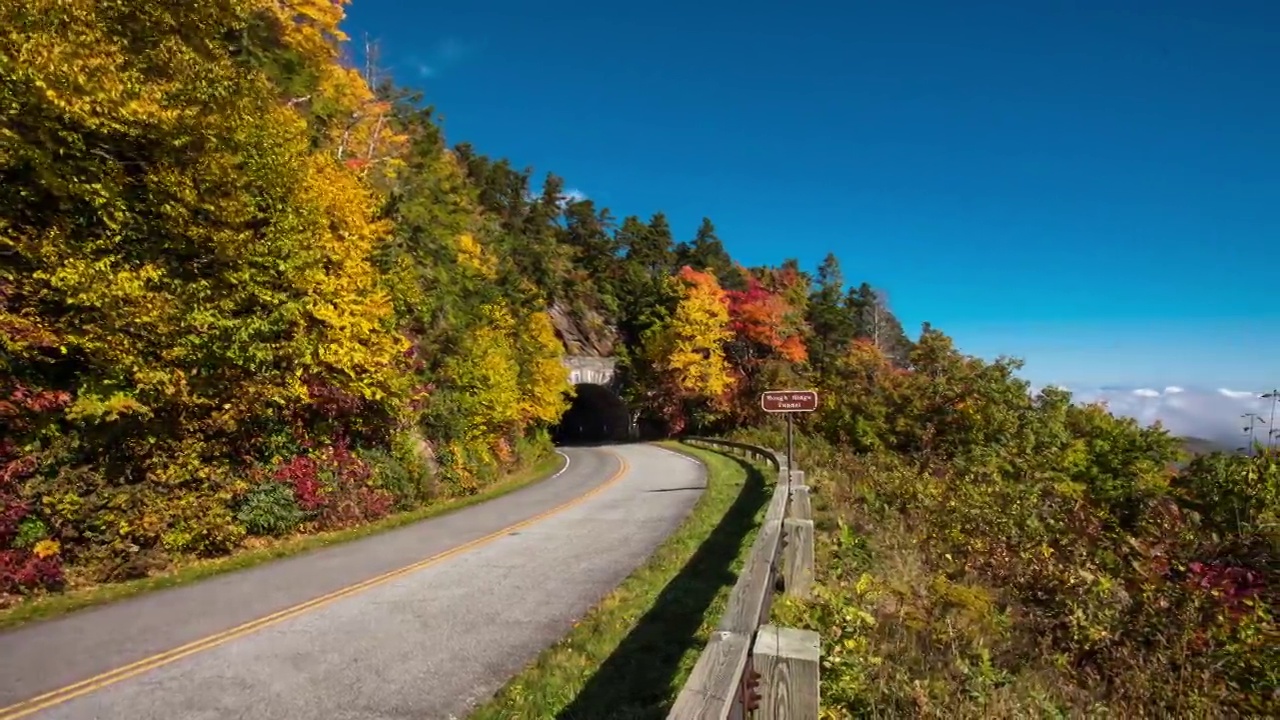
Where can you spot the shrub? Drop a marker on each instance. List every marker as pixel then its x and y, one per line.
pixel 202 525
pixel 395 477
pixel 335 488
pixel 22 571
pixel 1060 569
pixel 270 509
pixel 31 530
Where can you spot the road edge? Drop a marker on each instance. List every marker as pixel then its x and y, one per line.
pixel 49 607
pixel 532 682
pixel 83 687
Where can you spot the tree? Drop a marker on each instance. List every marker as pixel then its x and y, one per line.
pixel 648 247
pixel 686 351
pixel 877 323
pixel 832 326
pixel 643 277
pixel 707 253
pixel 587 232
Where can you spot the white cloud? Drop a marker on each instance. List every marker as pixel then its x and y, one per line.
pixel 441 57
pixel 566 196
pixel 571 195
pixel 1210 414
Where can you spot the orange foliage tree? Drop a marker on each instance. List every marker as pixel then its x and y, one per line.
pixel 767 346
pixel 687 352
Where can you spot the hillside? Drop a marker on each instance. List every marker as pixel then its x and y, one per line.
pixel 250 291
pixel 297 308
pixel 1201 446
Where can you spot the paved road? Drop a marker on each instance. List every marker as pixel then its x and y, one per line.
pixel 483 599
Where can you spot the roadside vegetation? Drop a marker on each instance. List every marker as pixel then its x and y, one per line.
pixel 987 553
pixel 248 292
pixel 257 551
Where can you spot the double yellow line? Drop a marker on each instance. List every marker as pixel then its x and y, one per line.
pixel 111 677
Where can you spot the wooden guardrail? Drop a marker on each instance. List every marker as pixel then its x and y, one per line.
pixel 750 668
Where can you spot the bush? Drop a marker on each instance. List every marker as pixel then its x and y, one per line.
pixel 22 571
pixel 270 509
pixel 335 488
pixel 989 553
pixel 201 525
pixel 948 594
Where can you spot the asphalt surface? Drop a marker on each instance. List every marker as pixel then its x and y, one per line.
pixel 428 643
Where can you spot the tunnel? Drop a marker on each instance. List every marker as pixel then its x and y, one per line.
pixel 597 415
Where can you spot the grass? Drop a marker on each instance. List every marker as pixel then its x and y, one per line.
pixel 631 654
pixel 44 607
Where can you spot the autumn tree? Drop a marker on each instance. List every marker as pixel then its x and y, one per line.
pixel 766 349
pixel 686 352
pixel 876 322
pixel 860 393
pixel 182 262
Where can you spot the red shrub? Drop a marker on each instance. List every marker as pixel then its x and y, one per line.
pixel 335 486
pixel 1229 585
pixel 332 402
pixel 12 507
pixel 22 571
pixel 12 511
pixel 302 473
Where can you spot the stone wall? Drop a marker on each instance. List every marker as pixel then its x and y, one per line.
pixel 591 370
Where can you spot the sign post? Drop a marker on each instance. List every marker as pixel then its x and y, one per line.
pixel 789 402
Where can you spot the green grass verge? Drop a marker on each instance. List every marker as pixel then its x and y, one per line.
pixel 630 655
pixel 48 606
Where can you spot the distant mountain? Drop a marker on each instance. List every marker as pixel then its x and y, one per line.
pixel 1201 446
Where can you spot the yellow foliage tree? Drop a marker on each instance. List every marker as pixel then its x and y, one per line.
pixel 474 257
pixel 544 379
pixel 688 348
pixel 176 250
pixel 484 375
pixel 356 125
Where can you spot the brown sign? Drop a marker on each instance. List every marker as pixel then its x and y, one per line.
pixel 786 401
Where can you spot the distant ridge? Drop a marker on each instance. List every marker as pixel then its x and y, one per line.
pixel 1202 446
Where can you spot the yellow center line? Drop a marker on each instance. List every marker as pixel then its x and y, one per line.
pixel 111 677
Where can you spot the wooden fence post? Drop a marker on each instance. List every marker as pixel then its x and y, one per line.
pixel 787 660
pixel 797 557
pixel 801 507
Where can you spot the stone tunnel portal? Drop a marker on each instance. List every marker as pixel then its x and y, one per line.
pixel 598 414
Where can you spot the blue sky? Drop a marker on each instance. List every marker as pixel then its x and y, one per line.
pixel 1089 185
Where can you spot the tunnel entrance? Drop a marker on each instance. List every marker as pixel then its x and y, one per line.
pixel 597 415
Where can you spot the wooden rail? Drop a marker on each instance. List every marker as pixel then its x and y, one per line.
pixel 750 668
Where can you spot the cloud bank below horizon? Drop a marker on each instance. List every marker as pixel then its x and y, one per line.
pixel 1188 412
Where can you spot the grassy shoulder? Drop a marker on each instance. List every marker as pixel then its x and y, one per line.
pixel 43 607
pixel 631 654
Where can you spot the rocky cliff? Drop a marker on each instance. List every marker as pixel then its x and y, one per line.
pixel 583 330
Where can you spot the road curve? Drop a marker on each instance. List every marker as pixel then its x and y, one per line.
pixel 485 590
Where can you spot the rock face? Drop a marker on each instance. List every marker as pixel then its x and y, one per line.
pixel 583 331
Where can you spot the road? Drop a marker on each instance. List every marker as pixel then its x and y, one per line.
pixel 420 622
